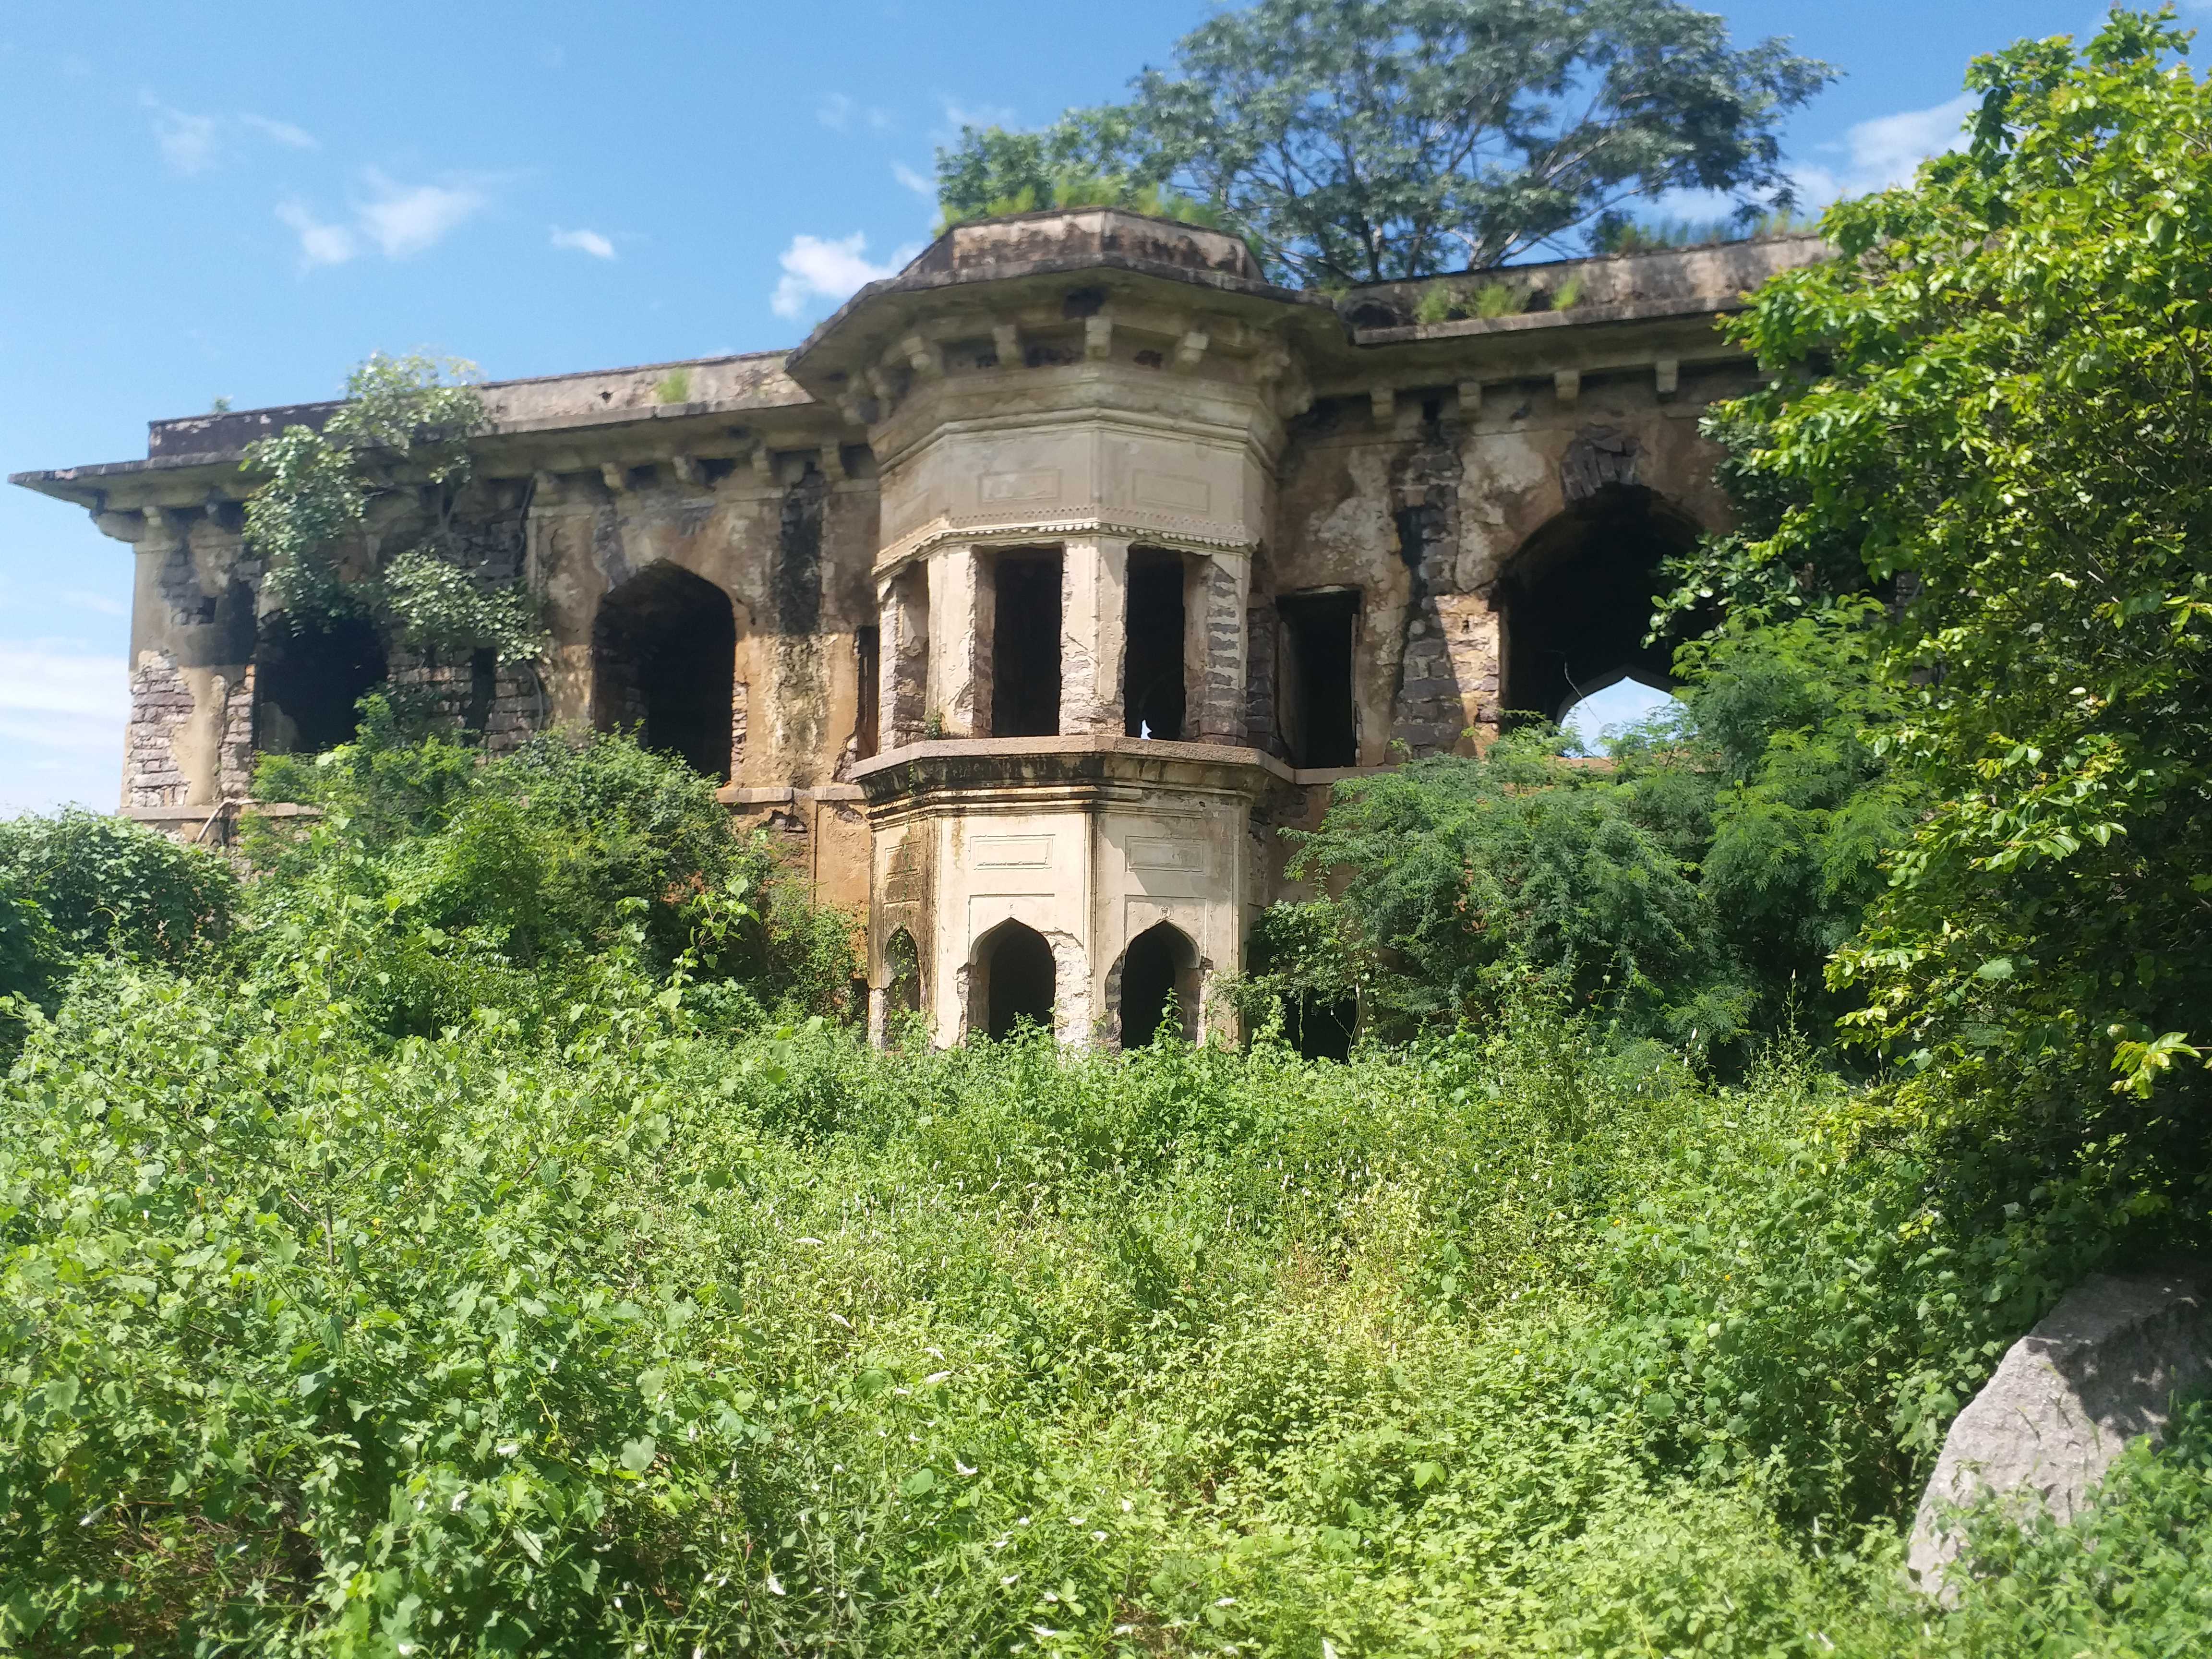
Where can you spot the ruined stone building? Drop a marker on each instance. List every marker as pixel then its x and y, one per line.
pixel 1030 595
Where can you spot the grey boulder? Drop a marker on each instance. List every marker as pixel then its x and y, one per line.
pixel 2105 1366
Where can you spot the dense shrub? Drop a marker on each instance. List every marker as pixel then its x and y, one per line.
pixel 1691 889
pixel 612 1330
pixel 111 887
pixel 433 883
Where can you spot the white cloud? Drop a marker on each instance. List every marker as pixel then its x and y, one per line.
pixel 62 715
pixel 584 241
pixel 189 143
pixel 815 269
pixel 837 111
pixel 36 678
pixel 192 143
pixel 319 244
pixel 1883 151
pixel 959 115
pixel 281 133
pixel 403 220
pixel 919 183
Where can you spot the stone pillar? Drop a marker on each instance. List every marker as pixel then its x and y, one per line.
pixel 960 641
pixel 1093 635
pixel 1217 619
pixel 902 655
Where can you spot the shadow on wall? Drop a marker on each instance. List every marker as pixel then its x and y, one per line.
pixel 664 663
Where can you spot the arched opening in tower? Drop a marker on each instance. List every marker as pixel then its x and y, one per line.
pixel 664 659
pixel 1018 979
pixel 1575 601
pixel 308 675
pixel 1160 971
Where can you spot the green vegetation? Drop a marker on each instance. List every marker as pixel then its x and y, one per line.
pixel 1986 404
pixel 1385 139
pixel 673 387
pixel 394 457
pixel 483 1231
pixel 1692 891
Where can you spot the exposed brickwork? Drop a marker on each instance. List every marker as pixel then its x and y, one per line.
pixel 234 758
pixel 161 707
pixel 1260 678
pixel 1429 710
pixel 1221 713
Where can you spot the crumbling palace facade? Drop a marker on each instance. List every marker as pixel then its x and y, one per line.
pixel 1032 593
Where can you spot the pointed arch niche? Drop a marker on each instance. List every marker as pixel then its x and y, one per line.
pixel 1160 965
pixel 1576 599
pixel 664 663
pixel 1014 978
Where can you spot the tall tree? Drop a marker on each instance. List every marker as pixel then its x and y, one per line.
pixel 1999 396
pixel 1358 140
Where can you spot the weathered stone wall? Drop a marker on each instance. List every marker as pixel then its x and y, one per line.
pixel 1421 502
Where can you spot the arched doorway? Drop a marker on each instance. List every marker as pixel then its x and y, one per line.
pixel 1160 963
pixel 1015 980
pixel 664 660
pixel 307 676
pixel 1576 600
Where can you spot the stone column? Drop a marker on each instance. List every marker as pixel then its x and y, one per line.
pixel 1094 608
pixel 1215 617
pixel 902 652
pixel 960 641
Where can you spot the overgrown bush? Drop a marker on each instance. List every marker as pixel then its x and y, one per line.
pixel 1689 890
pixel 610 1331
pixel 111 887
pixel 432 882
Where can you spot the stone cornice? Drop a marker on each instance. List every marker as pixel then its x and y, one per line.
pixel 1040 773
pixel 1171 530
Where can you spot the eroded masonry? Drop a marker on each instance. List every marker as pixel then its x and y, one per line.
pixel 1030 595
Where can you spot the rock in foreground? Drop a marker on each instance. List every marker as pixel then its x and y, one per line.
pixel 2105 1366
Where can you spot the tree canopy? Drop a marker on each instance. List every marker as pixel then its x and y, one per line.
pixel 1359 140
pixel 1996 401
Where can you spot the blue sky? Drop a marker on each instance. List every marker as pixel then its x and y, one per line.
pixel 242 199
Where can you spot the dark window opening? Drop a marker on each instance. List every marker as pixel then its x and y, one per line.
pixel 307 679
pixel 1314 698
pixel 1159 972
pixel 1577 601
pixel 1026 646
pixel 665 657
pixel 483 690
pixel 1320 1028
pixel 903 965
pixel 867 643
pixel 1152 693
pixel 1018 979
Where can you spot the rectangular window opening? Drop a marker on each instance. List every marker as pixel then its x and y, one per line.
pixel 1314 703
pixel 867 644
pixel 1152 670
pixel 1025 645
